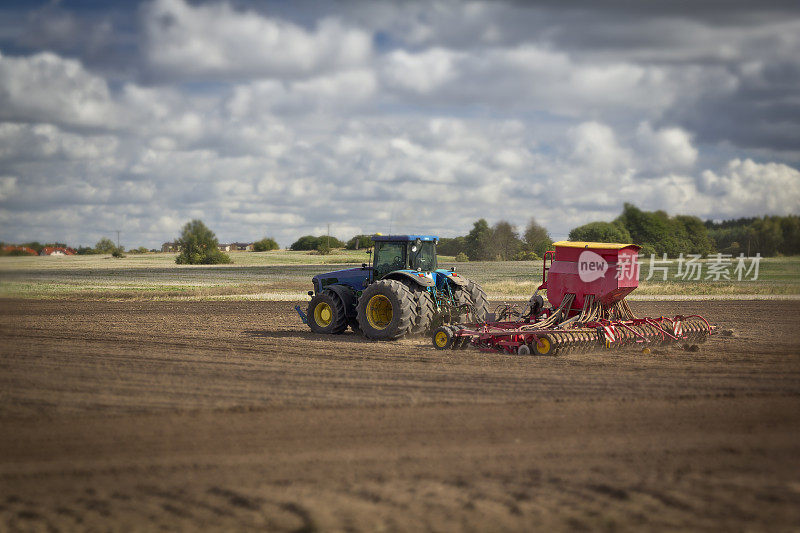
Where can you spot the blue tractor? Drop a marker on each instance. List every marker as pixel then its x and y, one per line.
pixel 402 292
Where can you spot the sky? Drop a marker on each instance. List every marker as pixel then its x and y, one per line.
pixel 280 118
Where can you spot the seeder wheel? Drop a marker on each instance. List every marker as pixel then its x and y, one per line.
pixel 544 346
pixel 443 338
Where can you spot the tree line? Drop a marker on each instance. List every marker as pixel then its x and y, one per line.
pixel 499 242
pixel 655 231
pixel 658 233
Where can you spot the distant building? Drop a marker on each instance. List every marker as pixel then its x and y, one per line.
pixel 242 247
pixel 224 247
pixel 170 247
pixel 56 250
pixel 24 249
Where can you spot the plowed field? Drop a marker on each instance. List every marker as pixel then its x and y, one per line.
pixel 232 415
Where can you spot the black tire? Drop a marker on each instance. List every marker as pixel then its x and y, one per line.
pixel 480 303
pixel 463 301
pixel 326 313
pixel 442 338
pixel 388 325
pixel 425 308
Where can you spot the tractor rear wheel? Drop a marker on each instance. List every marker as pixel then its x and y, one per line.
pixel 326 313
pixel 386 310
pixel 480 303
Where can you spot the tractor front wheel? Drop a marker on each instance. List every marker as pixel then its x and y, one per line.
pixel 386 310
pixel 326 313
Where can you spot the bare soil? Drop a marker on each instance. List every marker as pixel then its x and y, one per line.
pixel 233 416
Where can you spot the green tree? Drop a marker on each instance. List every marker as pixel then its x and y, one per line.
pixel 85 250
pixel 790 226
pixel 646 251
pixel 537 239
pixel 306 242
pixel 309 242
pixel 331 241
pixel 670 235
pixel 699 242
pixel 600 232
pixel 105 246
pixel 452 246
pixel 479 241
pixel 323 248
pixel 199 246
pixel 265 245
pixel 768 235
pixel 360 242
pixel 505 243
pixel 648 228
pixel 525 255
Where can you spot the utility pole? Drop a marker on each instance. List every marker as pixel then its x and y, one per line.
pixel 117 237
pixel 329 236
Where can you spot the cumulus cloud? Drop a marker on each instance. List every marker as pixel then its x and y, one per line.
pixel 529 77
pixel 37 142
pixel 747 186
pixel 595 145
pixel 334 92
pixel 8 186
pixel 215 40
pixel 48 88
pixel 666 149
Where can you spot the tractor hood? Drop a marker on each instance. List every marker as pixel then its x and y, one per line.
pixel 355 278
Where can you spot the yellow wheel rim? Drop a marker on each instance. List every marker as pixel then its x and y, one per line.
pixel 379 311
pixel 323 314
pixel 440 339
pixel 543 346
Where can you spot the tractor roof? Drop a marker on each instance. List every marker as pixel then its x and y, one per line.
pixel 409 238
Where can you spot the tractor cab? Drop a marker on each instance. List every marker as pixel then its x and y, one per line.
pixel 403 252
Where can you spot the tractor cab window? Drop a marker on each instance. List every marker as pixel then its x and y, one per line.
pixel 424 257
pixel 389 256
